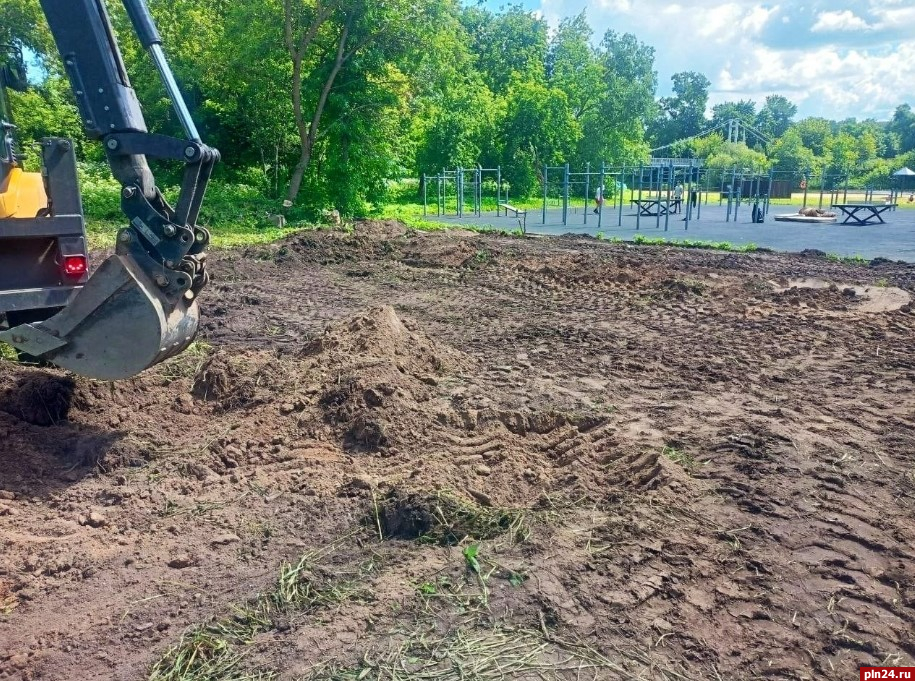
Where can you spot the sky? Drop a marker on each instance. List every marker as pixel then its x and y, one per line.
pixel 832 58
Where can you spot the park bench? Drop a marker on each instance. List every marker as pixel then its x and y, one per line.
pixel 508 208
pixel 520 213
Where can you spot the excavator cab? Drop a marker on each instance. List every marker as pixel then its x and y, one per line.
pixel 140 305
pixel 22 194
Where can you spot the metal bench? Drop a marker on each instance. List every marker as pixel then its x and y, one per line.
pixel 520 213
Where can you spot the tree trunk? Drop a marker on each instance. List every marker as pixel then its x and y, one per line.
pixel 308 134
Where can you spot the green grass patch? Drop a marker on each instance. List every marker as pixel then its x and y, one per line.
pixel 641 239
pixel 8 352
pixel 216 651
pixel 443 518
pixel 679 456
pixel 204 655
pixel 102 233
pixel 188 363
pixel 411 214
pixel 847 259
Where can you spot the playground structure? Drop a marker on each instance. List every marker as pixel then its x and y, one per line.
pixel 646 192
pixel 572 191
pixel 464 181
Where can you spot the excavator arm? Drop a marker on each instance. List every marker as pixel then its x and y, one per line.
pixel 140 305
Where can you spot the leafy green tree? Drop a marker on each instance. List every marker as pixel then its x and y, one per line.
pixel 842 153
pixel 510 45
pixel 874 136
pixel 617 133
pixel 698 147
pixel 460 129
pixel 538 129
pixel 891 144
pixel 574 67
pixel 775 117
pixel 903 125
pixel 738 155
pixel 47 111
pixel 683 114
pixel 454 115
pixel 876 174
pixel 324 39
pixel 22 24
pixel 815 134
pixel 789 153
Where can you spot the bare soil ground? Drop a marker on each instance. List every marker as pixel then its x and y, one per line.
pixel 450 456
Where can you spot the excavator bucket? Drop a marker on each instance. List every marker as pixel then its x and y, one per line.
pixel 119 324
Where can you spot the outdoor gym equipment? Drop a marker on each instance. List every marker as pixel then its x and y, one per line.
pixel 464 181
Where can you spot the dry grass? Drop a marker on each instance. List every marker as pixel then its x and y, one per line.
pixel 444 518
pixel 216 651
pixel 494 654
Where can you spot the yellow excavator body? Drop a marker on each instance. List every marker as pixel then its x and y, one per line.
pixel 22 194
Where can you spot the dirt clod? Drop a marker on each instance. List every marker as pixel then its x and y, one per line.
pixel 182 561
pixel 39 398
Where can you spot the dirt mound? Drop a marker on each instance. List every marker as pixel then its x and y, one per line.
pixel 451 252
pixel 240 379
pixel 380 335
pixel 374 369
pixel 359 376
pixel 326 247
pixel 39 398
pixel 827 298
pixel 380 229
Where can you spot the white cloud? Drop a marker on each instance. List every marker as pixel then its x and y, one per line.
pixel 845 20
pixel 733 42
pixel 836 85
pixel 891 18
pixel 755 20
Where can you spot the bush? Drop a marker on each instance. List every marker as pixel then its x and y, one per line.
pixel 101 192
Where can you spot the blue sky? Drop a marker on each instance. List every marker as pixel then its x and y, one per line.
pixel 832 58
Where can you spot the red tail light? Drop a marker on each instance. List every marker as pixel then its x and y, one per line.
pixel 75 265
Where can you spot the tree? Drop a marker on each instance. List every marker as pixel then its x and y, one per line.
pixel 789 153
pixel 873 136
pixel 510 46
pixel 775 117
pixel 574 66
pixel 815 134
pixel 743 111
pixel 738 155
pixel 617 133
pixel 903 125
pixel 841 154
pixel 682 115
pixel 22 24
pixel 322 38
pixel 459 128
pixel 538 129
pixel 698 147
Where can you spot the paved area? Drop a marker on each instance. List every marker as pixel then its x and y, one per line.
pixel 894 240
